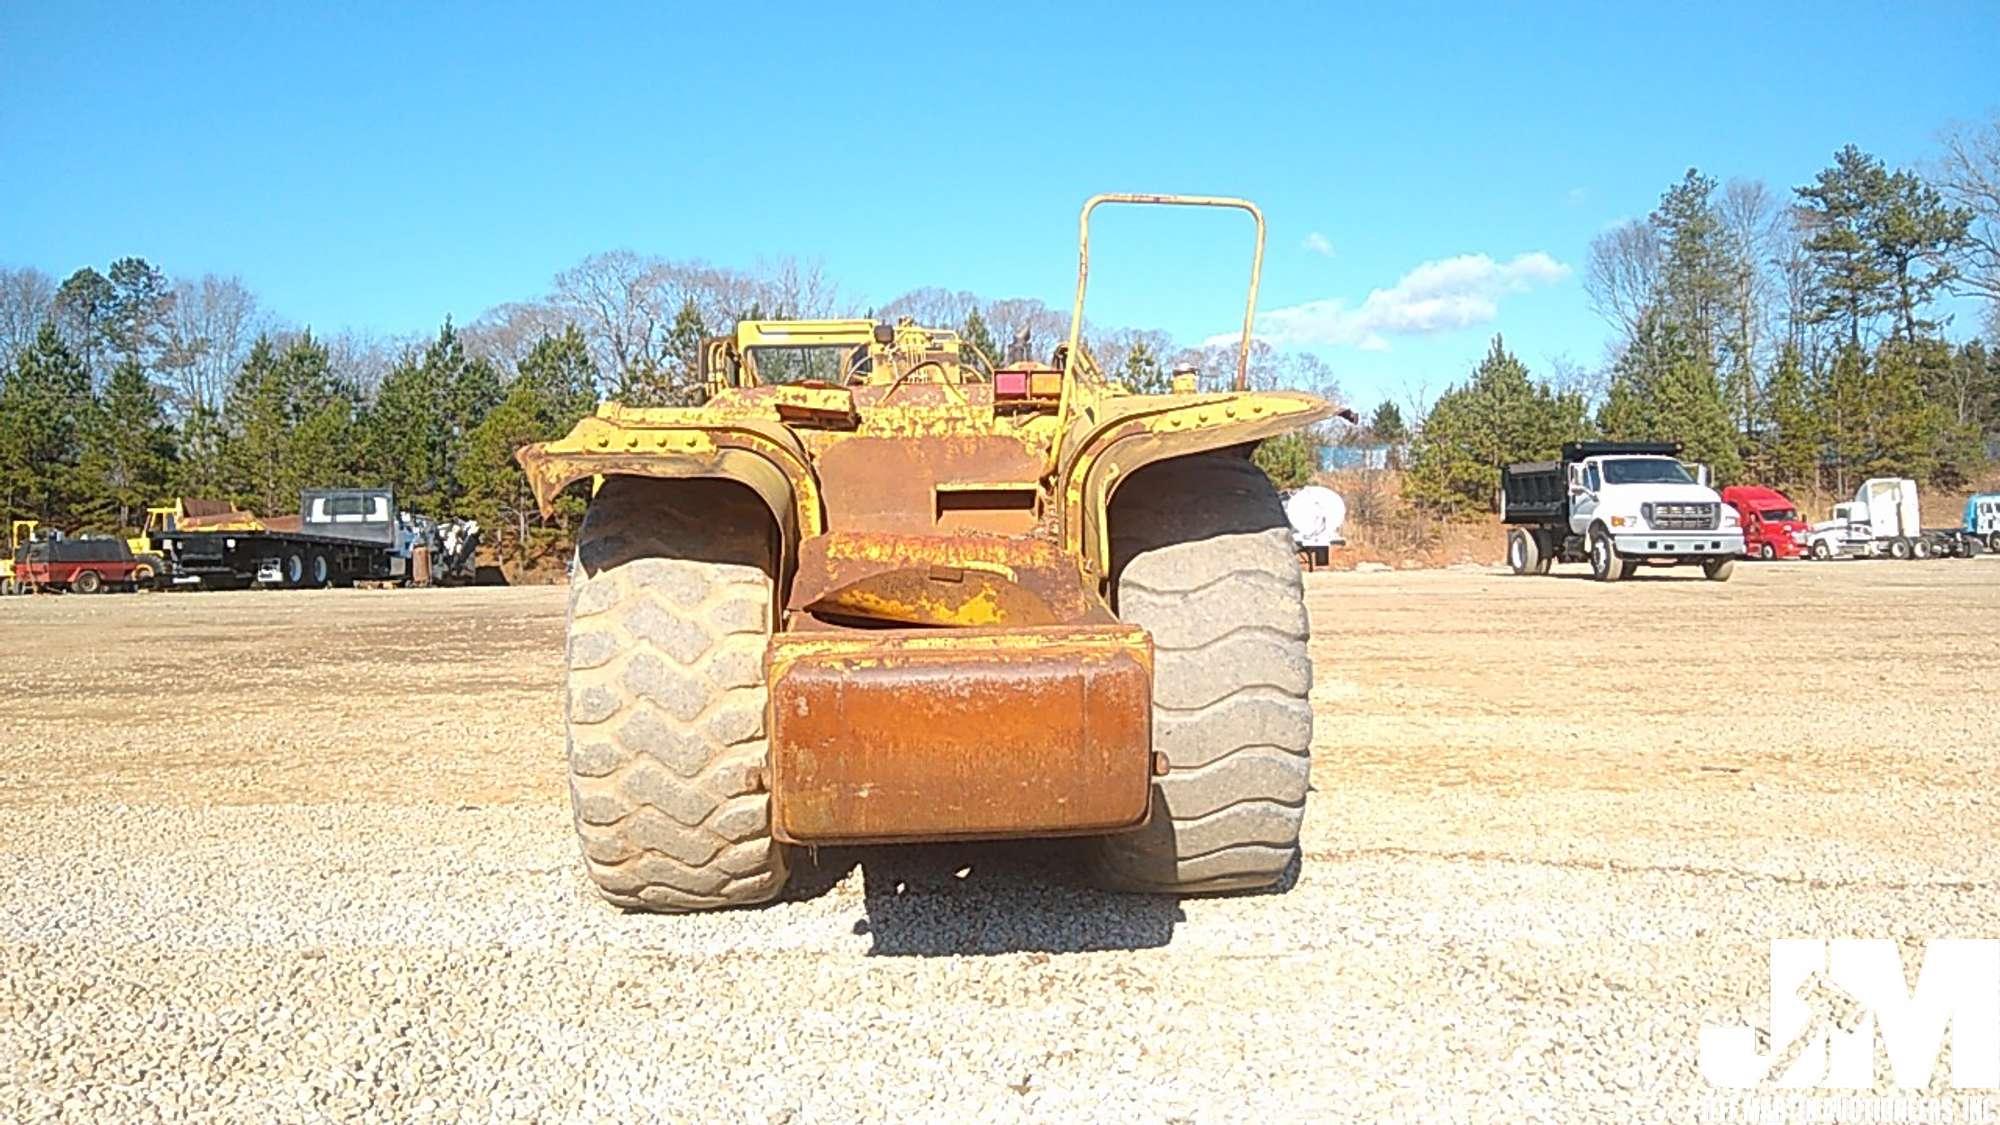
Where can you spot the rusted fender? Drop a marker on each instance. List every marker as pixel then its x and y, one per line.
pixel 888 735
pixel 765 456
pixel 1117 436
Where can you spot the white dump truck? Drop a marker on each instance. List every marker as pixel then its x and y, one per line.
pixel 1617 506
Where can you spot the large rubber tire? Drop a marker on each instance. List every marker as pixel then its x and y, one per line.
pixel 1767 552
pixel 1605 565
pixel 1899 549
pixel 87 582
pixel 1993 542
pixel 1718 570
pixel 1202 558
pixel 1821 551
pixel 1524 552
pixel 670 614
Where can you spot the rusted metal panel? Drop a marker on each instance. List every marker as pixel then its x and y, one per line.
pixel 901 735
pixel 961 579
pixel 890 483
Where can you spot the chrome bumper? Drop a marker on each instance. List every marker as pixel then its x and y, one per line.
pixel 1653 544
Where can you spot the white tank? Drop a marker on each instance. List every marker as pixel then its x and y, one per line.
pixel 1316 514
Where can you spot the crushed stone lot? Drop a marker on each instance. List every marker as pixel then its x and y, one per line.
pixel 308 855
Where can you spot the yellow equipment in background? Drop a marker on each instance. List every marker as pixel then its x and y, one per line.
pixel 18 535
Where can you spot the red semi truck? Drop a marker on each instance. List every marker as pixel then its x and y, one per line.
pixel 1772 526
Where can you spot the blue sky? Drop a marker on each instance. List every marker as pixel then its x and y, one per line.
pixel 379 167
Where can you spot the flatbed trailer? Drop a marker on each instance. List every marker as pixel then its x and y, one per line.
pixel 341 536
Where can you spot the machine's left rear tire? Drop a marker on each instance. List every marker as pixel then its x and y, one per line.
pixel 1202 558
pixel 670 614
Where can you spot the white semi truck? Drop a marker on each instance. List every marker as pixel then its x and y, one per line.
pixel 1885 520
pixel 1617 506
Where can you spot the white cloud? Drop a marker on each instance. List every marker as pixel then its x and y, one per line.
pixel 1440 296
pixel 1318 244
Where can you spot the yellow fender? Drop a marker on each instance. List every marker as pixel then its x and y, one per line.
pixel 765 457
pixel 1115 437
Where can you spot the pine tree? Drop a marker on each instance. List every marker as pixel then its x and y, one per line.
pixel 417 430
pixel 1290 460
pixel 563 380
pixel 257 422
pixel 1842 400
pixel 1840 207
pixel 1499 417
pixel 1387 425
pixel 44 408
pixel 553 387
pixel 1664 388
pixel 1792 444
pixel 128 446
pixel 1908 427
pixel 1141 372
pixel 978 335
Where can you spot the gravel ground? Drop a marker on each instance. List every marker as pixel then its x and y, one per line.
pixel 308 856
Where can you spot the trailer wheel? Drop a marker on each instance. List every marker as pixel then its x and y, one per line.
pixel 322 573
pixel 1718 570
pixel 1201 558
pixel 1899 548
pixel 1605 565
pixel 1524 552
pixel 87 582
pixel 670 614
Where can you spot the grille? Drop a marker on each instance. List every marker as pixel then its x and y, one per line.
pixel 1683 517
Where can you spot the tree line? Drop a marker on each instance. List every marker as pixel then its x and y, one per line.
pixel 1793 341
pixel 121 388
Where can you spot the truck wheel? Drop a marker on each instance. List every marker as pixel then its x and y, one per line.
pixel 87 582
pixel 1920 548
pixel 1993 542
pixel 321 571
pixel 1605 565
pixel 1767 552
pixel 1627 568
pixel 1718 570
pixel 670 614
pixel 1899 548
pixel 1524 552
pixel 1201 557
pixel 1821 551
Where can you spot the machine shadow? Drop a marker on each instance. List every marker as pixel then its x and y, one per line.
pixel 979 899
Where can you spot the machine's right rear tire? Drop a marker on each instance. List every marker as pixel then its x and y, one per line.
pixel 1202 558
pixel 670 614
pixel 87 582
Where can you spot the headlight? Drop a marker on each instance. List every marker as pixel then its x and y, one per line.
pixel 1729 516
pixel 1646 512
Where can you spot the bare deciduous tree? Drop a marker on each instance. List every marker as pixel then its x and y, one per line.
pixel 1969 176
pixel 1622 274
pixel 27 298
pixel 213 322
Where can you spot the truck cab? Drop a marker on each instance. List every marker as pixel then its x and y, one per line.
pixel 1883 519
pixel 1772 527
pixel 1982 519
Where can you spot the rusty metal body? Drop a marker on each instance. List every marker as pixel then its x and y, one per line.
pixel 944 661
